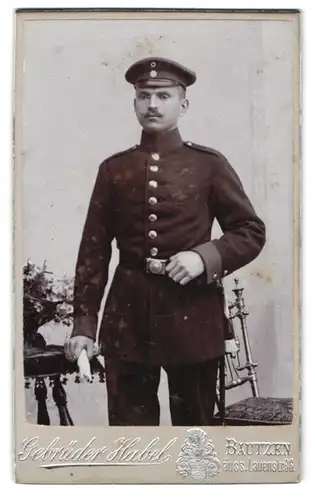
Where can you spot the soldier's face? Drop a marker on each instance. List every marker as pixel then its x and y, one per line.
pixel 158 109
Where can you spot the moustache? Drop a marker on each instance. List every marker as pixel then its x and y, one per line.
pixel 153 115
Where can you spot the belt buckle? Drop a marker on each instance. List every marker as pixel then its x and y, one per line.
pixel 155 266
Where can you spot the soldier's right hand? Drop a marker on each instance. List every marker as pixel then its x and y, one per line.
pixel 74 345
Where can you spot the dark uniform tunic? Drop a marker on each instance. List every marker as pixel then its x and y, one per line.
pixel 158 199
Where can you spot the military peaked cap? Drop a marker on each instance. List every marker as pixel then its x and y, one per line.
pixel 159 72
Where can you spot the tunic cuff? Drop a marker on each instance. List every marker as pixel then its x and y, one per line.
pixel 212 260
pixel 86 326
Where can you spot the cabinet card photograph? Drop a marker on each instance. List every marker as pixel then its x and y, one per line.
pixel 156 226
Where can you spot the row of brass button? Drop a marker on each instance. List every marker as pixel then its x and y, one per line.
pixel 153 201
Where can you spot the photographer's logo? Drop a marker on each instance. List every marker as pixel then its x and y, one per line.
pixel 198 457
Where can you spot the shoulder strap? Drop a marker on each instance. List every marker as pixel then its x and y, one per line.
pixel 204 149
pixel 120 153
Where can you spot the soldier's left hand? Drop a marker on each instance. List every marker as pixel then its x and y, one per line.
pixel 185 266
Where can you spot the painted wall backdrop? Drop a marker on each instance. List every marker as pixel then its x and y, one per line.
pixel 78 109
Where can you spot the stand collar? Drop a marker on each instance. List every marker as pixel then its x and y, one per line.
pixel 161 143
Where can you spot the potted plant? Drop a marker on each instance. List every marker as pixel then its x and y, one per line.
pixel 45 299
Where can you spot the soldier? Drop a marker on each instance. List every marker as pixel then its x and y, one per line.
pixel 164 307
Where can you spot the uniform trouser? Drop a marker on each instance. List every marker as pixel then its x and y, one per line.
pixel 132 393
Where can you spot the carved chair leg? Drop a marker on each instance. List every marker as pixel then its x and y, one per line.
pixel 40 391
pixel 60 398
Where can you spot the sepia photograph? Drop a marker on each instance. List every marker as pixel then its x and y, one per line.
pixel 156 167
pixel 157 202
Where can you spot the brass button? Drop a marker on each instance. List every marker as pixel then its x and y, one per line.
pixel 154 251
pixel 154 168
pixel 189 143
pixel 152 234
pixel 152 200
pixel 153 184
pixel 215 275
pixel 152 217
pixel 155 156
pixel 225 272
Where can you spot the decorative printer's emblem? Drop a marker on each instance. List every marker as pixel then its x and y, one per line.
pixel 197 457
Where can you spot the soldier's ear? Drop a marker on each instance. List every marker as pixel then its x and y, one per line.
pixel 184 106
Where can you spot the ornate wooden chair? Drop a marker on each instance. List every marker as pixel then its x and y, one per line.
pixel 239 369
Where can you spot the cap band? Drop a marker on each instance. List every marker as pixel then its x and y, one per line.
pixel 158 82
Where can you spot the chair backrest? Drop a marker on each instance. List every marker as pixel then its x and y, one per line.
pixel 240 367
